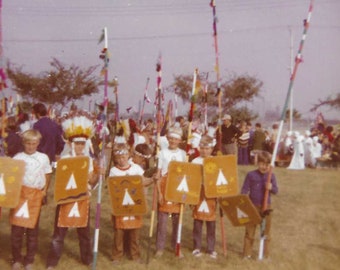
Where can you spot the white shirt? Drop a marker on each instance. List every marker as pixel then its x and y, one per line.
pixel 37 165
pixel 166 155
pixel 134 169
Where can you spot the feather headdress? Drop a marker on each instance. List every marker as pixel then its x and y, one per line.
pixel 78 128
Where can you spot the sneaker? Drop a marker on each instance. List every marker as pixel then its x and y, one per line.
pixel 159 253
pixel 197 253
pixel 16 266
pixel 28 267
pixel 247 257
pixel 213 255
pixel 50 268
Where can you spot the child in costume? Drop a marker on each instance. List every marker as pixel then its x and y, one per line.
pixel 125 226
pixel 25 217
pixel 205 210
pixel 172 152
pixel 255 185
pixel 77 130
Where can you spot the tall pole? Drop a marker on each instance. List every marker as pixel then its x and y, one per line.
pixel 298 60
pixel 105 57
pixel 291 72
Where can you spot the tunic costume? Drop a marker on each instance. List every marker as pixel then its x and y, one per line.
pixel 208 215
pixel 126 225
pixel 34 181
pixel 165 156
pixel 59 234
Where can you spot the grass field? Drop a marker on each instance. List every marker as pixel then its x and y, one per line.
pixel 305 231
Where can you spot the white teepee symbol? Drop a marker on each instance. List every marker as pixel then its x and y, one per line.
pixel 23 211
pixel 221 180
pixel 203 207
pixel 183 186
pixel 71 184
pixel 241 214
pixel 127 200
pixel 2 185
pixel 74 212
pixel 126 218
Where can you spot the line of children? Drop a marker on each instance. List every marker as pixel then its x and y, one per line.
pixel 253 185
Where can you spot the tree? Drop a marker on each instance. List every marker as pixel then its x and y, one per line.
pixel 61 85
pixel 333 102
pixel 236 92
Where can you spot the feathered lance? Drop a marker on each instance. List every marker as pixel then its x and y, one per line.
pixel 105 57
pixel 298 60
pixel 159 127
pixel 145 97
pixel 219 98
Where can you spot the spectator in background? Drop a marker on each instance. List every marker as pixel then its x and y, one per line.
pixel 230 134
pixel 13 140
pixel 242 145
pixel 258 142
pixel 51 142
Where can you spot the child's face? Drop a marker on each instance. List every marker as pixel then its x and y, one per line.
pixel 79 148
pixel 173 142
pixel 263 167
pixel 122 160
pixel 138 159
pixel 205 151
pixel 30 146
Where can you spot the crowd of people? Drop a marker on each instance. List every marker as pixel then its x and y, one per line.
pixel 140 150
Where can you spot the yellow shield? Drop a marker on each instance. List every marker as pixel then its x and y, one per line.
pixel 11 175
pixel 240 210
pixel 220 176
pixel 71 180
pixel 127 195
pixel 184 182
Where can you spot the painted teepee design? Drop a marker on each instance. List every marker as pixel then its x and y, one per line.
pixel 203 207
pixel 183 186
pixel 23 211
pixel 127 200
pixel 74 212
pixel 221 180
pixel 2 185
pixel 71 184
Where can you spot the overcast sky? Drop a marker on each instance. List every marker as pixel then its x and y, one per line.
pixel 254 38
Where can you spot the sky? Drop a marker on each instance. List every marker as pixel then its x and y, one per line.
pixel 258 38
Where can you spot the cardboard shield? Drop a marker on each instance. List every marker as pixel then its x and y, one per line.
pixel 11 174
pixel 220 176
pixel 28 210
pixel 240 210
pixel 184 182
pixel 71 180
pixel 127 195
pixel 74 214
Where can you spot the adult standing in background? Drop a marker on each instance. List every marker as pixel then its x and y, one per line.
pixel 230 134
pixel 51 142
